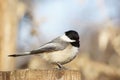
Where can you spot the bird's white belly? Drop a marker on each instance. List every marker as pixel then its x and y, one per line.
pixel 62 56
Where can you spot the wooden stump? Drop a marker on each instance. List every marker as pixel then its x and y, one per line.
pixel 41 75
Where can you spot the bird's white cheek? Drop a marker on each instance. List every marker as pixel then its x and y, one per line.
pixel 67 39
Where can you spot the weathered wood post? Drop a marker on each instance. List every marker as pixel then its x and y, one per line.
pixel 8 28
pixel 41 75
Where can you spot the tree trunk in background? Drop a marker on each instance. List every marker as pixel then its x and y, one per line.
pixel 8 29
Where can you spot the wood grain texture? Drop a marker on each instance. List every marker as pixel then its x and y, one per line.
pixel 41 75
pixel 4 75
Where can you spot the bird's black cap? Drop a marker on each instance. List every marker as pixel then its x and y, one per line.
pixel 74 36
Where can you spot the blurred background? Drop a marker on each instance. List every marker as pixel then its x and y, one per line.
pixel 27 24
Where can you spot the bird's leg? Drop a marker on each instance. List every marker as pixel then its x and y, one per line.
pixel 60 66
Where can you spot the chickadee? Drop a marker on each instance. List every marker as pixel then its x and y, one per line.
pixel 59 51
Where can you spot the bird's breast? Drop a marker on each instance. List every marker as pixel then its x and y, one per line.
pixel 62 56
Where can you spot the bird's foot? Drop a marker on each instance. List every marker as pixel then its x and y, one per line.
pixel 61 67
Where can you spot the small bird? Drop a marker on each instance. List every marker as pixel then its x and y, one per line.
pixel 59 51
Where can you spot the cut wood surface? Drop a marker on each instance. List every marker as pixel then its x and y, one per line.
pixel 41 75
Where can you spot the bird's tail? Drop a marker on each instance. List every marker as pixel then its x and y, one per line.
pixel 18 55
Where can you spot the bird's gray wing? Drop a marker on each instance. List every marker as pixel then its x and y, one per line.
pixel 49 47
pixel 54 45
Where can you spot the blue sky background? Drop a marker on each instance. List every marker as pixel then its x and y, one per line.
pixel 61 15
